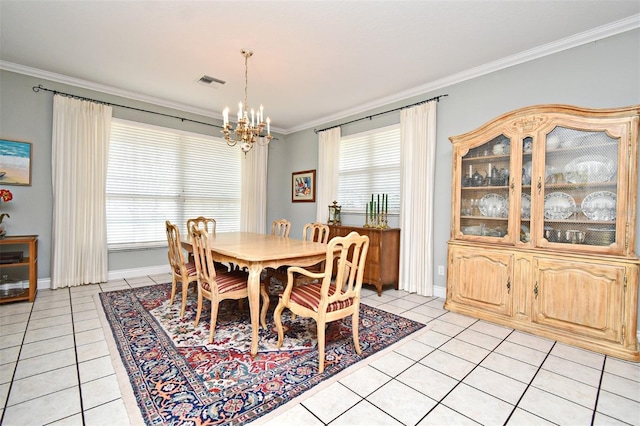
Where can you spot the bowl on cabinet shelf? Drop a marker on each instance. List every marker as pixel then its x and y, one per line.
pixel 600 237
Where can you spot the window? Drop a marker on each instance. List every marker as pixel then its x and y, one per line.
pixel 157 174
pixel 369 164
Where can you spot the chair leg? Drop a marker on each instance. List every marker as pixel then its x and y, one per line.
pixel 214 319
pixel 277 318
pixel 265 306
pixel 199 309
pixel 185 290
pixel 355 320
pixel 321 333
pixel 174 286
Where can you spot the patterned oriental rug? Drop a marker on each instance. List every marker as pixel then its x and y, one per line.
pixel 177 377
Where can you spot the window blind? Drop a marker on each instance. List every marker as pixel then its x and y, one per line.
pixel 369 164
pixel 157 174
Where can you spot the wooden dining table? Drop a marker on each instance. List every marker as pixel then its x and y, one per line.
pixel 256 252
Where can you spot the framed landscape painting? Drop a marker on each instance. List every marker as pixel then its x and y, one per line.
pixel 303 186
pixel 15 162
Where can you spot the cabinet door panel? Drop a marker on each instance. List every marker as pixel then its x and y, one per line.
pixel 581 300
pixel 481 279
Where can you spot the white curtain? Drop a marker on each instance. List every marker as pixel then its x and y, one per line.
pixel 417 150
pixel 253 203
pixel 80 153
pixel 327 173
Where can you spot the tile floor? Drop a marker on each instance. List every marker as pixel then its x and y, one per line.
pixel 55 368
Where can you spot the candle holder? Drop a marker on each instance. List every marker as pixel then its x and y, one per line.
pixel 376 215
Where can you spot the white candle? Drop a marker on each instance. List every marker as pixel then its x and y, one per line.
pixel 268 126
pixel 261 120
pixel 470 171
pixel 225 116
pixel 239 111
pixel 489 169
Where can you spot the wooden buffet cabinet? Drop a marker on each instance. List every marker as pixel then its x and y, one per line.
pixel 383 258
pixel 20 267
pixel 543 225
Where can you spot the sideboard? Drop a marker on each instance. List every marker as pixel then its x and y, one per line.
pixel 18 270
pixel 383 258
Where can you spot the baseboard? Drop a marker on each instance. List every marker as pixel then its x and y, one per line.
pixel 45 283
pixel 440 292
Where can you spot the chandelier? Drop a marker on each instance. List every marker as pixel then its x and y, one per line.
pixel 251 125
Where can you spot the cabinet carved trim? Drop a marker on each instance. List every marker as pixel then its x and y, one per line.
pixel 543 225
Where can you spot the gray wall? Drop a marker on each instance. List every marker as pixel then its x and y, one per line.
pixel 600 74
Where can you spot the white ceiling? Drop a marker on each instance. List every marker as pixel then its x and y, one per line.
pixel 313 60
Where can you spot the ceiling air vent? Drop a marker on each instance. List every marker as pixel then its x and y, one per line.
pixel 210 81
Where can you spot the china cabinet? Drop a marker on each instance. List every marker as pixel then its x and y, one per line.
pixel 543 225
pixel 18 268
pixel 383 258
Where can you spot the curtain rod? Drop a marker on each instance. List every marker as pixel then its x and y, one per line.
pixel 82 98
pixel 435 98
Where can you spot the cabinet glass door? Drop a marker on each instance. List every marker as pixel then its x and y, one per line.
pixel 484 201
pixel 525 190
pixel 580 188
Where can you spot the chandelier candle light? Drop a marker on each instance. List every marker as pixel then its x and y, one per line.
pixel 376 212
pixel 249 130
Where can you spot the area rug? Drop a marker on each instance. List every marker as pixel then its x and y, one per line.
pixel 178 377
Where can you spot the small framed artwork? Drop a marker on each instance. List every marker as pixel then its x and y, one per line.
pixel 15 162
pixel 303 186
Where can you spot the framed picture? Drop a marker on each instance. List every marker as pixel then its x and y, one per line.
pixel 15 162
pixel 303 186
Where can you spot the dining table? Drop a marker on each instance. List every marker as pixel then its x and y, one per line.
pixel 255 252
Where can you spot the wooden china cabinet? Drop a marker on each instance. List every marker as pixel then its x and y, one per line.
pixel 543 225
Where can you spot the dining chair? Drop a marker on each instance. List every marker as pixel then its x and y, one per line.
pixel 182 271
pixel 213 285
pixel 328 300
pixel 281 228
pixel 318 232
pixel 206 223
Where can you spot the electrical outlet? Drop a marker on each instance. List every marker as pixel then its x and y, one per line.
pixel 440 270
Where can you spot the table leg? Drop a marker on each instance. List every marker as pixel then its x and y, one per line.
pixel 254 304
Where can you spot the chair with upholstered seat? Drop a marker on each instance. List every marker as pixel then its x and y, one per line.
pixel 325 299
pixel 318 232
pixel 206 223
pixel 281 228
pixel 181 271
pixel 213 285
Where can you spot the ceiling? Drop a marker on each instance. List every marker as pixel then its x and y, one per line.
pixel 314 61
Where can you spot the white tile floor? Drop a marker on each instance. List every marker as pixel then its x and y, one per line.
pixel 55 368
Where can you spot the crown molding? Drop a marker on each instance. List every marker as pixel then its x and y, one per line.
pixel 599 33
